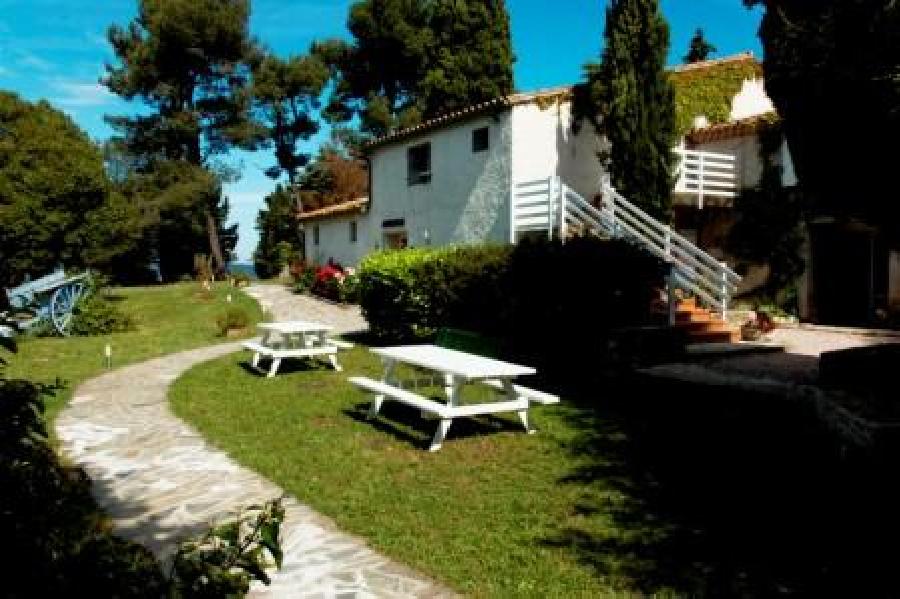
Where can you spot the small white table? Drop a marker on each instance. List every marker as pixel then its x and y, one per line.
pixel 456 369
pixel 294 339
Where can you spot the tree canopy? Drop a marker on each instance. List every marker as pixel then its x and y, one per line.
pixel 700 49
pixel 55 201
pixel 443 55
pixel 832 70
pixel 629 97
pixel 285 100
pixel 189 62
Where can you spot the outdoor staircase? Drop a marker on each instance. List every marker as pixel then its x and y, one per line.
pixel 703 325
pixel 550 206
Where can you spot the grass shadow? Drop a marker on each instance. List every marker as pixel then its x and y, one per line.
pixel 407 424
pixel 709 492
pixel 290 366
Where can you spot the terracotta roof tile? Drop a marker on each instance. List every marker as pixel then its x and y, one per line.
pixel 356 206
pixel 564 91
pixel 740 128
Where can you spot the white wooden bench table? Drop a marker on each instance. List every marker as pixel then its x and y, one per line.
pixel 456 369
pixel 294 339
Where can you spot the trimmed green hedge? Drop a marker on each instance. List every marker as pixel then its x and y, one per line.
pixel 532 296
pixel 409 294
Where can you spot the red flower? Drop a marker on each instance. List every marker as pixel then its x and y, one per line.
pixel 327 272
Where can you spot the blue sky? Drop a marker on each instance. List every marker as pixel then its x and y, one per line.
pixel 56 50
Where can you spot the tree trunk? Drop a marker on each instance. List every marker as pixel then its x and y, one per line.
pixel 215 247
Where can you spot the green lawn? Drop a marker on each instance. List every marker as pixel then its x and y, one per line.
pixel 634 488
pixel 169 318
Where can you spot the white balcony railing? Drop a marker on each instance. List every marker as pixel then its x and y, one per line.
pixel 705 174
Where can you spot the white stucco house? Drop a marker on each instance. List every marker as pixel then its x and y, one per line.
pixel 472 176
pixel 449 180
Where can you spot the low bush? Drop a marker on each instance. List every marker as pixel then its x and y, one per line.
pixel 536 296
pixel 240 279
pixel 94 315
pixel 50 522
pixel 304 277
pixel 233 319
pixel 224 561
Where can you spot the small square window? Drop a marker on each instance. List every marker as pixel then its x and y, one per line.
pixel 316 235
pixel 419 164
pixel 353 231
pixel 481 139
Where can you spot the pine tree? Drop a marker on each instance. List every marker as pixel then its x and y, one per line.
pixel 700 49
pixel 443 55
pixel 285 100
pixel 630 98
pixel 472 58
pixel 188 61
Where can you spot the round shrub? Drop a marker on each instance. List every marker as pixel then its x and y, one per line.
pixel 233 319
pixel 94 315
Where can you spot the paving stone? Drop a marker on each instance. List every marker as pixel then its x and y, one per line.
pixel 161 483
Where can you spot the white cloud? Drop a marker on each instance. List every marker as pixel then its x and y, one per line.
pixel 33 61
pixel 74 94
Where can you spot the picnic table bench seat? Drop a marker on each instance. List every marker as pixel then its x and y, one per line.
pixel 445 412
pixel 534 395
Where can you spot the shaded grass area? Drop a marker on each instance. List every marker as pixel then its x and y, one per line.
pixel 630 487
pixel 169 318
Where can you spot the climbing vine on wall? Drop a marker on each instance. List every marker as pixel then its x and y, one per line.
pixel 710 90
pixel 768 229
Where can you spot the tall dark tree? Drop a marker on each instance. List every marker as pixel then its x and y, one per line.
pixel 188 61
pixel 700 49
pixel 280 238
pixel 285 100
pixel 630 99
pixel 171 197
pixel 444 54
pixel 838 63
pixel 381 69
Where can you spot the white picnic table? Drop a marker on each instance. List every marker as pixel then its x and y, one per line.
pixel 455 369
pixel 295 339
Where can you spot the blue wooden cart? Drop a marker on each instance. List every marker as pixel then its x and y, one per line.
pixel 51 299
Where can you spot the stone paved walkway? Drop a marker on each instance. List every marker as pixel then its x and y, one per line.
pixel 161 482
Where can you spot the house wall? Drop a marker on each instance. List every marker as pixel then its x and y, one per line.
pixel 334 240
pixel 467 199
pixel 747 165
pixel 751 101
pixel 545 145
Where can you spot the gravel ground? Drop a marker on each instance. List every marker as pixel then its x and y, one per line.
pixel 284 304
pixel 799 363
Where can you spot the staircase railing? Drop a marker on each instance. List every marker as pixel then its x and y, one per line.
pixel 548 205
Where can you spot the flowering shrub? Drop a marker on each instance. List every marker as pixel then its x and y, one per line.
pixel 334 283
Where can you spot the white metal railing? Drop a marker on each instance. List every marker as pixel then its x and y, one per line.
pixel 548 205
pixel 705 174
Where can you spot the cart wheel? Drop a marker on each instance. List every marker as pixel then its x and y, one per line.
pixel 61 305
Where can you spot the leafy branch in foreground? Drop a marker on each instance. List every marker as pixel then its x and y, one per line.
pixel 226 559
